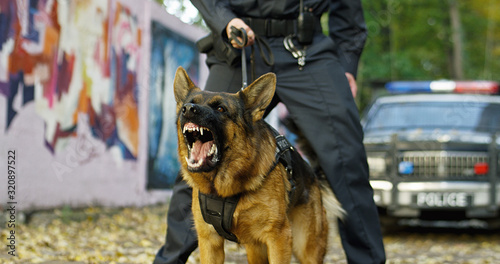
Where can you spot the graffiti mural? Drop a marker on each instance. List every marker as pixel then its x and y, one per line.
pixel 73 58
pixel 168 51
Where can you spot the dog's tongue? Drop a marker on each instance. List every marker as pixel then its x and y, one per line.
pixel 199 151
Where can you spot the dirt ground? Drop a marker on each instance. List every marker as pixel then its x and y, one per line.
pixel 133 235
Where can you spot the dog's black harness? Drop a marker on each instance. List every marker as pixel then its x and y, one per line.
pixel 219 211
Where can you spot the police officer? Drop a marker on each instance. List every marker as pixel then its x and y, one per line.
pixel 316 81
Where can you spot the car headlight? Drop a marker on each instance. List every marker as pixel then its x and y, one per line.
pixel 377 165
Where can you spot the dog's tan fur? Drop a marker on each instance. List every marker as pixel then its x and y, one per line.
pixel 265 221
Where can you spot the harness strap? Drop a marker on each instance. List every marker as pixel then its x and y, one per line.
pixel 284 155
pixel 218 212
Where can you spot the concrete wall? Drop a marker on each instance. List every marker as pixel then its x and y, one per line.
pixel 75 87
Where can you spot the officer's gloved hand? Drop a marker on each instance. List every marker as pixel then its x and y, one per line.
pixel 238 23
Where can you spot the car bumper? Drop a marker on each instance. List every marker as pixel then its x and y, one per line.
pixel 410 198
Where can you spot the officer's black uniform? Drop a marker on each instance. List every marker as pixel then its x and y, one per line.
pixel 319 100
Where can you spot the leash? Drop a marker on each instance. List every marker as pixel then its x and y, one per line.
pixel 241 33
pixel 261 44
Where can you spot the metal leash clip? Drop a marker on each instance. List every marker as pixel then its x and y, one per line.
pixel 300 55
pixel 241 33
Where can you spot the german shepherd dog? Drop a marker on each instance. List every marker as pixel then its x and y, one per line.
pixel 226 149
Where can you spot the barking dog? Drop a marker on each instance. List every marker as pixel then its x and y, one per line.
pixel 249 185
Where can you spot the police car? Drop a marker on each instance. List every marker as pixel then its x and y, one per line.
pixel 433 151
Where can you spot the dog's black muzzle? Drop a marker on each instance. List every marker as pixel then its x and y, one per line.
pixel 190 110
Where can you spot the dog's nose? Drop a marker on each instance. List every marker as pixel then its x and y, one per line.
pixel 190 108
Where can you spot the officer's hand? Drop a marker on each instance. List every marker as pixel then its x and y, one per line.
pixel 352 84
pixel 238 23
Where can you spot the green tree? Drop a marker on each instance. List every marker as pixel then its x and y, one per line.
pixel 422 39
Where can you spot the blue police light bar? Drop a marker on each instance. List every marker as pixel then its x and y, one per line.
pixel 409 87
pixel 443 86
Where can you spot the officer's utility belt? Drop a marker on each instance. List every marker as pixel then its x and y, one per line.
pixel 303 29
pixel 268 27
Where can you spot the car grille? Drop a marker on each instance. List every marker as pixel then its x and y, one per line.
pixel 443 164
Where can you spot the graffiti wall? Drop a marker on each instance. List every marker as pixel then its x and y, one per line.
pixel 85 99
pixel 168 51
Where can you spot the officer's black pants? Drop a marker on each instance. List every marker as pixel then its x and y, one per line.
pixel 320 102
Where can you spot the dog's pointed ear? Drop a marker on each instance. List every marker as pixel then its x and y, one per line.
pixel 182 85
pixel 258 95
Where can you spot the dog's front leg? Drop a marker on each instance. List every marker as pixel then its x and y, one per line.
pixel 210 243
pixel 256 253
pixel 211 249
pixel 279 246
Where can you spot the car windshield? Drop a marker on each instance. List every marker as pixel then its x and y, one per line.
pixel 469 116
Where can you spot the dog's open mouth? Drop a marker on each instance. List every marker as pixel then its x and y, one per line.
pixel 202 148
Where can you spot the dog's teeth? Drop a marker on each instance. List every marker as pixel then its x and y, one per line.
pixel 212 150
pixel 201 131
pixel 192 164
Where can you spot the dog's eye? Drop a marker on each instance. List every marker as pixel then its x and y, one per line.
pixel 221 109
